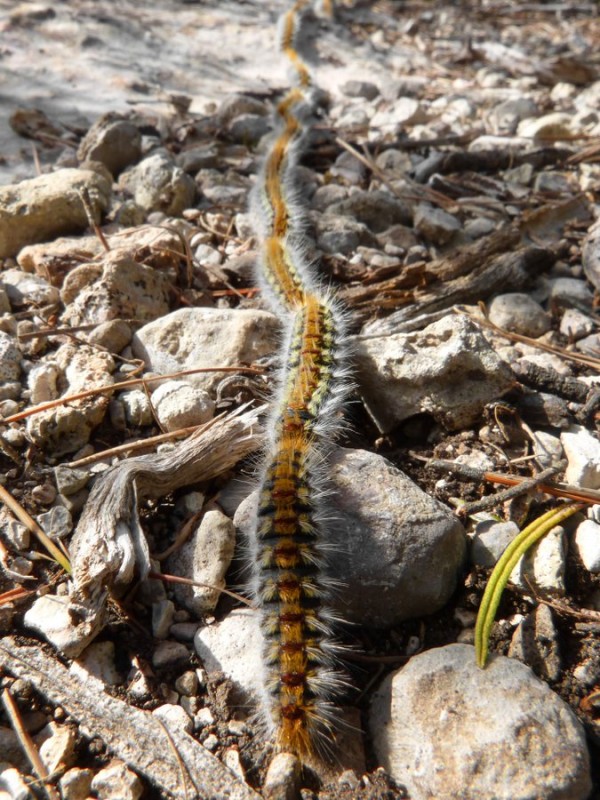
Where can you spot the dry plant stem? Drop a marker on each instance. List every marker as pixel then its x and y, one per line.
pixel 13 595
pixel 123 385
pixel 163 576
pixel 516 490
pixel 58 552
pixel 26 742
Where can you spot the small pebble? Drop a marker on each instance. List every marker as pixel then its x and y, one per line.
pixel 117 782
pixel 174 716
pixel 169 655
pixel 282 781
pixel 211 742
pixel 162 618
pixel 187 683
pixel 587 544
pixel 519 313
pixel 582 450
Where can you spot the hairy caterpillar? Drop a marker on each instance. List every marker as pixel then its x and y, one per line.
pixel 290 580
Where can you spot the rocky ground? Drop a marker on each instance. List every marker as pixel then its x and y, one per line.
pixel 453 184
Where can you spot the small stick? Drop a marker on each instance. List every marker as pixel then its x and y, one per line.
pixel 161 576
pixel 89 213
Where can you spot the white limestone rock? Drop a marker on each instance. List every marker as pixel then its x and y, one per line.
pixel 451 731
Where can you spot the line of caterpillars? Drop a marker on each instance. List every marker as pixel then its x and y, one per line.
pixel 291 585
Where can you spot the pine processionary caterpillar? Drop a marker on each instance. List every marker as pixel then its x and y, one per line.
pixel 289 562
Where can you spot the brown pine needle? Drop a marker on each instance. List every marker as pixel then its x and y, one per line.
pixel 123 385
pixel 161 576
pixel 26 742
pixel 57 551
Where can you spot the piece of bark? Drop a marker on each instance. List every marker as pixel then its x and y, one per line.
pixel 165 755
pixel 483 278
pixel 109 542
pixel 550 381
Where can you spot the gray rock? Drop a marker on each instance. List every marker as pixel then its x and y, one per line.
pixel 162 617
pixel 434 224
pixel 70 481
pixel 590 255
pixel 404 549
pixel 56 523
pixel 178 404
pixel 365 89
pixel 157 184
pixel 349 169
pixel 114 142
pixel 43 382
pixel 282 781
pixel 205 558
pixel 12 783
pixel 116 286
pixel 23 288
pixel 490 540
pixel 587 544
pixel 187 684
pixel 582 450
pixel 400 546
pixel 556 125
pixel 66 429
pixel 377 210
pixel 552 182
pixel 399 237
pixel 170 655
pixel 49 205
pixel 115 335
pixel 543 566
pixel 50 616
pixel 56 746
pixel 505 117
pixel 589 345
pixel 575 325
pixel 341 234
pixel 447 370
pixel 196 158
pixel 448 730
pixel 535 643
pixel 547 448
pixel 327 195
pixel 519 313
pixel 248 129
pixel 137 407
pixel 205 337
pixel 10 358
pixel 98 661
pixel 75 784
pixel 237 104
pixel 117 782
pixel 571 293
pixel 390 121
pixel 234 646
pixel 224 188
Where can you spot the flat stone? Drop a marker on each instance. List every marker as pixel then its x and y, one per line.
pixel 448 730
pixel 204 558
pixel 365 89
pixel 447 370
pixel 556 125
pixel 47 206
pixel 571 293
pixel 10 358
pixel 519 313
pixel 191 338
pixel 547 448
pixel 98 661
